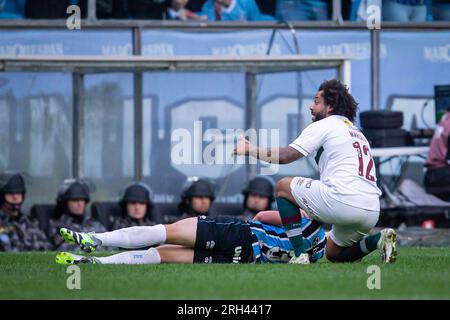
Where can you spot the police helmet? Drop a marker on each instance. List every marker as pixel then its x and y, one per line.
pixel 261 186
pixel 12 183
pixel 136 192
pixel 197 187
pixel 73 189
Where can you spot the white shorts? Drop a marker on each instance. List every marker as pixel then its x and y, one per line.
pixel 350 224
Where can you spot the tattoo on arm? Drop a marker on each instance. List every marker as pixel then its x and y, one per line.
pixel 276 155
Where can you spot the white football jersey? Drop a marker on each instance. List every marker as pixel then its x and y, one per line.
pixel 344 158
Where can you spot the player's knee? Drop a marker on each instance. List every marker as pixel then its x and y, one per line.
pixel 282 187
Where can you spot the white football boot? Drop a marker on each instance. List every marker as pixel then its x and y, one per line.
pixel 303 258
pixel 386 245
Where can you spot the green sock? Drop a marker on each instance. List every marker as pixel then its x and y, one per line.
pixel 360 249
pixel 291 218
pixel 372 241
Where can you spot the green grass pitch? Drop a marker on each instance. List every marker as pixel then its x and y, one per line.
pixel 419 273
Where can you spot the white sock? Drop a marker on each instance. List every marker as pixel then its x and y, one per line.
pixel 133 237
pixel 150 256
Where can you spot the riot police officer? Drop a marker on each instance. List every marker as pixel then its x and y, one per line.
pixel 18 231
pixel 72 199
pixel 258 196
pixel 197 197
pixel 137 206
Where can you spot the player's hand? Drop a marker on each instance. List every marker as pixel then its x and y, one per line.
pixel 242 148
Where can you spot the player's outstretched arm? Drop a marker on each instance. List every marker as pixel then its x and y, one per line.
pixel 281 155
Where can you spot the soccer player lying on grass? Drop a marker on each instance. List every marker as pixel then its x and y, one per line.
pixel 202 239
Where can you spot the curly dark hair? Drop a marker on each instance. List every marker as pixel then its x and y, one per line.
pixel 337 96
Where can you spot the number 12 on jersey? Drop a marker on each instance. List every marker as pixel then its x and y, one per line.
pixel 360 151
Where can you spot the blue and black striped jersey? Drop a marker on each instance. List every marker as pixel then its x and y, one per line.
pixel 272 245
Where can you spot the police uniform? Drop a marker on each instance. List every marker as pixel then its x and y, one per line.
pixel 247 214
pixel 137 192
pixel 19 232
pixel 195 188
pixel 168 219
pixel 261 186
pixel 126 222
pixel 72 190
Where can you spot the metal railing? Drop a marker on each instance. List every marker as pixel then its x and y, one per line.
pixel 219 25
pixel 336 21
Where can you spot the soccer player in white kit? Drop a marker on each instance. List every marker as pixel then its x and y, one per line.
pixel 346 196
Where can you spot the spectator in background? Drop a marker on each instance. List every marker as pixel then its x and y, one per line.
pixel 108 9
pixel 346 9
pixel 196 199
pixel 404 10
pixel 437 177
pixel 136 204
pixel 294 10
pixel 12 9
pixel 18 231
pixel 233 10
pixel 195 5
pixel 258 196
pixel 358 9
pixel 46 9
pixel 267 6
pixel 177 11
pixel 441 10
pixel 70 212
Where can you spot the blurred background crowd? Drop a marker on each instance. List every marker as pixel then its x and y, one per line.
pixel 230 10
